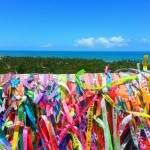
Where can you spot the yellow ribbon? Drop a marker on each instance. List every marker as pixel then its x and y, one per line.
pixel 75 141
pixel 62 78
pixel 15 137
pixel 106 97
pixel 145 63
pixel 89 128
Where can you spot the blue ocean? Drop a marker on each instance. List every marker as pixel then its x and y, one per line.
pixel 104 55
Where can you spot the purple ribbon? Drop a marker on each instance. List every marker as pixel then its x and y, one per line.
pixel 26 83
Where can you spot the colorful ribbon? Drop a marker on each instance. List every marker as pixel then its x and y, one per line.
pixel 82 111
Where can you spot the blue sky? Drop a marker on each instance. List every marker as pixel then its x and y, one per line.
pixel 75 25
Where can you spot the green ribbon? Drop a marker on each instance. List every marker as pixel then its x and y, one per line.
pixel 30 94
pixel 21 138
pixel 119 81
pixel 21 118
pixel 1 102
pixel 7 124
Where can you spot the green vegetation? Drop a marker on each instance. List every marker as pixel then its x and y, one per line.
pixel 60 65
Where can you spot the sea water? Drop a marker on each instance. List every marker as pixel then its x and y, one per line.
pixel 104 55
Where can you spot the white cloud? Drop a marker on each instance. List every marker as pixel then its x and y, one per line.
pixel 86 42
pixel 118 39
pixel 144 40
pixel 115 41
pixel 48 45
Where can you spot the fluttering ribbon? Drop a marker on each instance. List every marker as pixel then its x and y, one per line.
pixel 82 111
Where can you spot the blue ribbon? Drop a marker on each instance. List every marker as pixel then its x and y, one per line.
pixel 14 82
pixel 79 91
pixel 1 122
pixel 62 145
pixel 31 117
pixel 109 78
pixel 129 89
pixel 3 141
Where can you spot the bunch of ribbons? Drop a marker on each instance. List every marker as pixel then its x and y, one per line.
pixel 82 111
